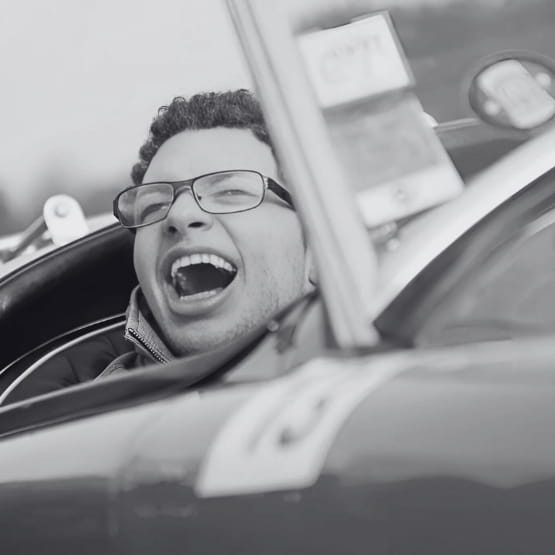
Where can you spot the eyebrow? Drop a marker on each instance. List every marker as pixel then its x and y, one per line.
pixel 217 177
pixel 145 194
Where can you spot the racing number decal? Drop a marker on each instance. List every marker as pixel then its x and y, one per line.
pixel 279 439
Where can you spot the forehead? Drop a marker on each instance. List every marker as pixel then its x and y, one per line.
pixel 195 152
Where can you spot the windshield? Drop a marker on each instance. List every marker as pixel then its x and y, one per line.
pixel 77 107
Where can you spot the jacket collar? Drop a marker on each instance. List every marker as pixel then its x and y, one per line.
pixel 140 332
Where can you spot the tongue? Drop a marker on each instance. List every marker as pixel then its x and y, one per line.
pixel 200 278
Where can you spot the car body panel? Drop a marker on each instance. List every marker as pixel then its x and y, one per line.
pixel 453 451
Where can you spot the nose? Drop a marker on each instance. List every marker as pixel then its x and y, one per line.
pixel 185 214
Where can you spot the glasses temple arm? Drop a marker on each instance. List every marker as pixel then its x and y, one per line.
pixel 280 191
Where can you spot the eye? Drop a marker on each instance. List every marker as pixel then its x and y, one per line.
pixel 150 206
pixel 234 196
pixel 230 191
pixel 151 209
pixel 233 192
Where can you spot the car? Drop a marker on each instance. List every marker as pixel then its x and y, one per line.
pixel 456 445
pixel 412 452
pixel 433 435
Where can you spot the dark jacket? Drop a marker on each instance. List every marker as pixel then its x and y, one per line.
pixel 264 352
pixel 273 355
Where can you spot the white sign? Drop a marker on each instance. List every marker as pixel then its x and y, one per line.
pixel 354 61
pixel 279 439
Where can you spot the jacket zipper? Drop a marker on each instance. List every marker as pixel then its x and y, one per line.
pixel 146 346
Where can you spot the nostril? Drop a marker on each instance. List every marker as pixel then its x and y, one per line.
pixel 175 228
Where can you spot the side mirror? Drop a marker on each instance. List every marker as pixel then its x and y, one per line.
pixel 515 91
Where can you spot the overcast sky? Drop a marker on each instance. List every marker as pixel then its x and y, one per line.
pixel 81 81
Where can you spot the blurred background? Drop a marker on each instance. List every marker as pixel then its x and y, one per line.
pixel 81 81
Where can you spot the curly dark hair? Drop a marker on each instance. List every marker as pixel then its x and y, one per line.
pixel 236 109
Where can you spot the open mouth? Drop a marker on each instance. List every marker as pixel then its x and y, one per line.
pixel 199 276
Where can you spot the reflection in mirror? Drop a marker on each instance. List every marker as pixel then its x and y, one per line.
pixel 515 91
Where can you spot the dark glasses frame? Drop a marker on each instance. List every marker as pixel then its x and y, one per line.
pixel 180 186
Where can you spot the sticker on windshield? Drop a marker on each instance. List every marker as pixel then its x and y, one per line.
pixel 279 439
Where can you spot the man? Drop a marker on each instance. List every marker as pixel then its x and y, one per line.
pixel 218 246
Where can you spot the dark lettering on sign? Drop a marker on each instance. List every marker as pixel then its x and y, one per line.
pixel 346 60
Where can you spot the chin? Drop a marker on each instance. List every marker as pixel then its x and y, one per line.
pixel 195 342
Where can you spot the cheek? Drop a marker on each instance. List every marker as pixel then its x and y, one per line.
pixel 277 247
pixel 144 255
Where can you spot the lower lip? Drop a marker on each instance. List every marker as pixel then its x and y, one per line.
pixel 194 305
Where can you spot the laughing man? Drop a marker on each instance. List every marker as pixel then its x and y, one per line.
pixel 218 247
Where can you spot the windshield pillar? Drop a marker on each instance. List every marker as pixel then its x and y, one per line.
pixel 344 254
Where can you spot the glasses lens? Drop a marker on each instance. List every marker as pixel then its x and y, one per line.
pixel 145 204
pixel 225 192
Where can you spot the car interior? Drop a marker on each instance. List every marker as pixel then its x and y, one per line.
pixel 72 300
pixel 79 290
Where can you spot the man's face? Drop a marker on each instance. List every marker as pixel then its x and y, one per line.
pixel 264 247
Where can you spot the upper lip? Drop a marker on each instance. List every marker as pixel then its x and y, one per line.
pixel 178 252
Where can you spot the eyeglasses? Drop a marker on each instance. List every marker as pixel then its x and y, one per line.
pixel 223 192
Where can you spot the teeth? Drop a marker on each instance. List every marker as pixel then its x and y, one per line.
pixel 213 259
pixel 203 295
